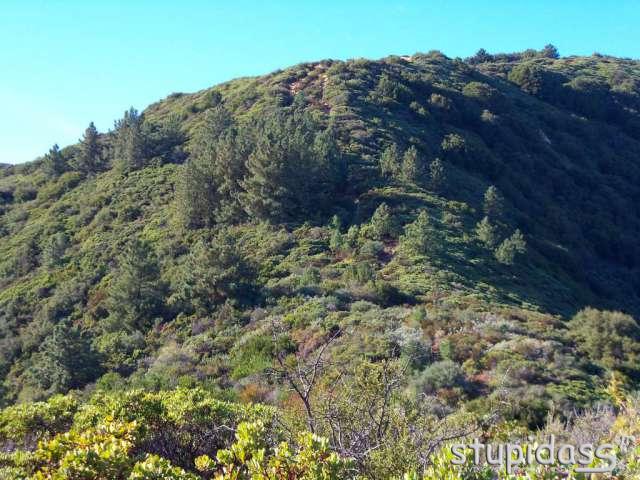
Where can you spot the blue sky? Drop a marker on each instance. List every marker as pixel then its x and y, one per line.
pixel 64 63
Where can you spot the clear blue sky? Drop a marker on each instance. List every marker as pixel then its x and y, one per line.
pixel 64 63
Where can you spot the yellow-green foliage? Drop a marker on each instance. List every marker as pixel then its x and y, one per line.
pixel 27 423
pixel 252 458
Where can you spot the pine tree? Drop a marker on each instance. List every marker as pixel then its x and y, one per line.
pixel 130 149
pixel 64 361
pixel 381 224
pixel 293 171
pixel 330 166
pixel 209 187
pixel 267 194
pixel 419 236
pixel 510 247
pixel 438 175
pixel 215 272
pixel 390 161
pixel 88 158
pixel 411 166
pixel 136 292
pixel 487 233
pixel 493 204
pixel 53 164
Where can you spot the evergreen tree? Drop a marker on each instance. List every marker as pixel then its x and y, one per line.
pixel 510 247
pixel 550 51
pixel 493 204
pixel 136 292
pixel 390 161
pixel 419 236
pixel 64 361
pixel 411 166
pixel 163 141
pixel 213 273
pixel 331 166
pixel 53 164
pixel 438 175
pixel 294 170
pixel 130 149
pixel 381 224
pixel 88 158
pixel 267 191
pixel 487 233
pixel 209 187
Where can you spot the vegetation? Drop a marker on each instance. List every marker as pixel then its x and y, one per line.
pixel 332 271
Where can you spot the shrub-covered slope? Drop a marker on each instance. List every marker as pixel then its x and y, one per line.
pixel 451 215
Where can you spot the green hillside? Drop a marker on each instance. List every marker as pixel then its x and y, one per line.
pixel 460 234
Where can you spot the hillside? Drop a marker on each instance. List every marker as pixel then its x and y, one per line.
pixel 472 224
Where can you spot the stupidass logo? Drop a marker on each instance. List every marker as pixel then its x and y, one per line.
pixel 585 458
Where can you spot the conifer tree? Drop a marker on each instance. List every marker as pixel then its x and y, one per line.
pixel 486 232
pixel 209 187
pixel 419 236
pixel 88 158
pixel 130 148
pixel 336 240
pixel 438 175
pixel 390 161
pixel 267 189
pixel 64 361
pixel 510 247
pixel 493 204
pixel 136 292
pixel 53 164
pixel 411 167
pixel 213 273
pixel 381 224
pixel 294 169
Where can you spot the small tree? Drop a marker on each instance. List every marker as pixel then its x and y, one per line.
pixel 511 247
pixel 214 273
pixel 493 204
pixel 486 232
pixel 438 174
pixel 336 240
pixel 381 223
pixel 53 164
pixel 411 167
pixel 419 237
pixel 390 161
pixel 550 51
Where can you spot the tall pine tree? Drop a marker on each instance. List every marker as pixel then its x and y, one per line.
pixel 136 292
pixel 89 157
pixel 130 149
pixel 209 187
